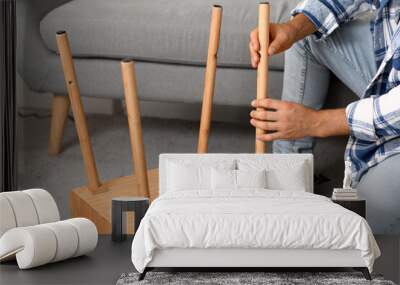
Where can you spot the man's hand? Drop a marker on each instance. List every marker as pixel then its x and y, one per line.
pixel 287 120
pixel 282 36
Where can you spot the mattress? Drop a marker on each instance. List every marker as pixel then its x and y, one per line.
pixel 250 219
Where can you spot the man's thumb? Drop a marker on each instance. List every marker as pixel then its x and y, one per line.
pixel 273 48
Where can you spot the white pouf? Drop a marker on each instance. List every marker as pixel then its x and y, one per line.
pixel 65 236
pixel 46 207
pixel 7 220
pixel 87 234
pixel 23 208
pixel 31 232
pixel 37 245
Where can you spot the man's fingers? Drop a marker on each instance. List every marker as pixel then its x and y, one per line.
pixel 275 41
pixel 270 137
pixel 273 48
pixel 254 47
pixel 275 45
pixel 264 115
pixel 255 44
pixel 280 39
pixel 267 103
pixel 267 126
pixel 254 56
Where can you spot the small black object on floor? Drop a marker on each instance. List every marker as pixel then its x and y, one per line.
pixel 120 205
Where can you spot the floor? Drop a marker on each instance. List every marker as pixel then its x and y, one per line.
pixel 111 145
pixel 111 259
pixel 110 139
pixel 103 266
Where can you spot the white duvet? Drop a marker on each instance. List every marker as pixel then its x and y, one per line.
pixel 250 219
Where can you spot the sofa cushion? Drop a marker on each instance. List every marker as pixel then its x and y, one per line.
pixel 171 31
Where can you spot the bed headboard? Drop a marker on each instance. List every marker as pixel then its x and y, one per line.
pixel 268 158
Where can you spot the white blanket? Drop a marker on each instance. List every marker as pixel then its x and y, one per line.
pixel 250 219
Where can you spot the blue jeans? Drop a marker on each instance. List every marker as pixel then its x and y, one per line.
pixel 347 53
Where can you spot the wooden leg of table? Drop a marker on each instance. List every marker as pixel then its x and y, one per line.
pixel 135 126
pixel 59 115
pixel 209 80
pixel 262 70
pixel 79 114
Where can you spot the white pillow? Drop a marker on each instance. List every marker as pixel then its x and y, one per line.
pixel 223 179
pixel 186 175
pixel 251 178
pixel 236 179
pixel 293 180
pixel 283 175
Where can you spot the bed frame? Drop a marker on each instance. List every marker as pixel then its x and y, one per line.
pixel 260 259
pixel 249 259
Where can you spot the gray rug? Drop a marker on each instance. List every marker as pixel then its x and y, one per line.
pixel 243 278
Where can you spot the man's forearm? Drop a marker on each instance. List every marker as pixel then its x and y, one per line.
pixel 330 123
pixel 289 120
pixel 327 122
pixel 302 25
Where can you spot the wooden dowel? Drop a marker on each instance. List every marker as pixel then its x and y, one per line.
pixel 59 115
pixel 79 114
pixel 262 70
pixel 135 126
pixel 209 81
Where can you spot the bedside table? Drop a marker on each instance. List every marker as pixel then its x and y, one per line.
pixel 138 205
pixel 358 206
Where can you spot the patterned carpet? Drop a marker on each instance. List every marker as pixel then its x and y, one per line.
pixel 243 278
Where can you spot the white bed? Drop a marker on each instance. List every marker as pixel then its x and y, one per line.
pixel 203 221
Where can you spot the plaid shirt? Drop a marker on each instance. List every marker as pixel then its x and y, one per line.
pixel 374 120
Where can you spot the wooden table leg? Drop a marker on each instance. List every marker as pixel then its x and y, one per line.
pixel 262 70
pixel 209 82
pixel 135 126
pixel 59 116
pixel 79 114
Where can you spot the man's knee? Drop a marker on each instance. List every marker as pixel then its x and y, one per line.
pixel 305 145
pixel 306 47
pixel 380 186
pixel 302 46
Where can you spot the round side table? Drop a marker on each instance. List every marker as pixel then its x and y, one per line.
pixel 139 205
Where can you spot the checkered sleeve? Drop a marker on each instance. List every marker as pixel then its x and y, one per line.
pixel 373 118
pixel 327 15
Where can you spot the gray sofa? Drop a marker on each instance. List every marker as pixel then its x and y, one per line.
pixel 168 39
